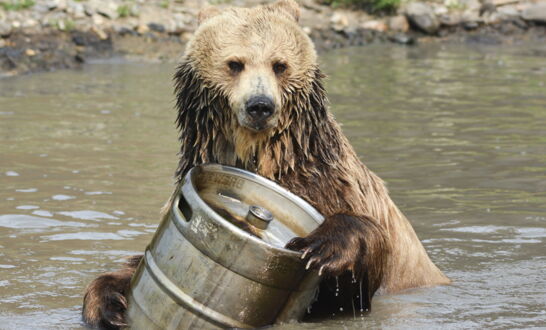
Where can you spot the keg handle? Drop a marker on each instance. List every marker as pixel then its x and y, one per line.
pixel 184 207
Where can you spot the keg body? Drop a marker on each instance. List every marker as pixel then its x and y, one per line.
pixel 205 268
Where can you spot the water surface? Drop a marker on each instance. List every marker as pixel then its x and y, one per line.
pixel 458 133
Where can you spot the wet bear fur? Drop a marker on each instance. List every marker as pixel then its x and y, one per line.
pixel 365 244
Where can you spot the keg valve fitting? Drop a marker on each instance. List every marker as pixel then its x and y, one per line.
pixel 259 217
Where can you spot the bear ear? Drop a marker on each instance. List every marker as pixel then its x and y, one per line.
pixel 290 7
pixel 206 13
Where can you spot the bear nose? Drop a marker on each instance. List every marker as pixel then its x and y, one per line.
pixel 260 107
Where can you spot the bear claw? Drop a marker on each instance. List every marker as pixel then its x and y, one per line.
pixel 322 253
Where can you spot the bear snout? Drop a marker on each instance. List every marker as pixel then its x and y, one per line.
pixel 260 108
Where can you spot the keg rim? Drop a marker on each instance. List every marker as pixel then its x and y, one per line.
pixel 212 167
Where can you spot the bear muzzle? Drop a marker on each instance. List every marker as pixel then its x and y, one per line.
pixel 259 110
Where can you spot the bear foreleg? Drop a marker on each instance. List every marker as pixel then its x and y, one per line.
pixel 105 302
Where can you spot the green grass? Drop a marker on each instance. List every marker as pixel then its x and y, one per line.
pixel 375 6
pixel 164 4
pixel 124 11
pixel 17 4
pixel 63 25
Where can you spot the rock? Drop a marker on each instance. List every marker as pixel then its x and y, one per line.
pixel 134 10
pixel 182 18
pixel 399 23
pixel 422 17
pixel 312 5
pixel 440 10
pixel 474 5
pixel 339 21
pixel 40 8
pixel 471 25
pixel 375 25
pixel 508 12
pixel 76 9
pixel 142 29
pixel 89 10
pixel 493 18
pixel 160 20
pixel 186 36
pixel 470 18
pixel 30 52
pixel 171 26
pixel 535 13
pixel 107 9
pixel 157 27
pixel 100 33
pixel 402 38
pixel 29 23
pixel 56 4
pixel 61 25
pixel 97 19
pixel 487 8
pixel 520 23
pixel 450 19
pixel 5 29
pixel 123 29
pixel 79 40
pixel 178 27
pixel 451 3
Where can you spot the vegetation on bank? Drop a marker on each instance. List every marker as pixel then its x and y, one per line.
pixel 16 4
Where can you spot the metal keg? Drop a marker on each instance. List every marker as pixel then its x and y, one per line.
pixel 218 259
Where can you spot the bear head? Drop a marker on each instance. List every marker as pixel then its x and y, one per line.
pixel 254 56
pixel 248 76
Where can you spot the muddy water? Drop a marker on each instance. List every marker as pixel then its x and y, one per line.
pixel 459 134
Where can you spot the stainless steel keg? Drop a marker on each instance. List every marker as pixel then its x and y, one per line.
pixel 218 260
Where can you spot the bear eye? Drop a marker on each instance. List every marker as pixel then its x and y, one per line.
pixel 279 67
pixel 236 66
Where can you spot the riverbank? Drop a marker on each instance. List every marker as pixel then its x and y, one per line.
pixel 55 34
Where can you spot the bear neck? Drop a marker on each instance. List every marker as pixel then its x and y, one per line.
pixel 307 137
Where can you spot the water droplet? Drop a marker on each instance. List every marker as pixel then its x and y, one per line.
pixel 361 307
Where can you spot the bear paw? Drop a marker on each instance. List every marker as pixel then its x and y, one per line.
pixel 344 243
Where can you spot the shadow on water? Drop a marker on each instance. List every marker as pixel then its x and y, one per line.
pixel 457 132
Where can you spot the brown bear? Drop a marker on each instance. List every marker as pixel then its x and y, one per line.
pixel 250 95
